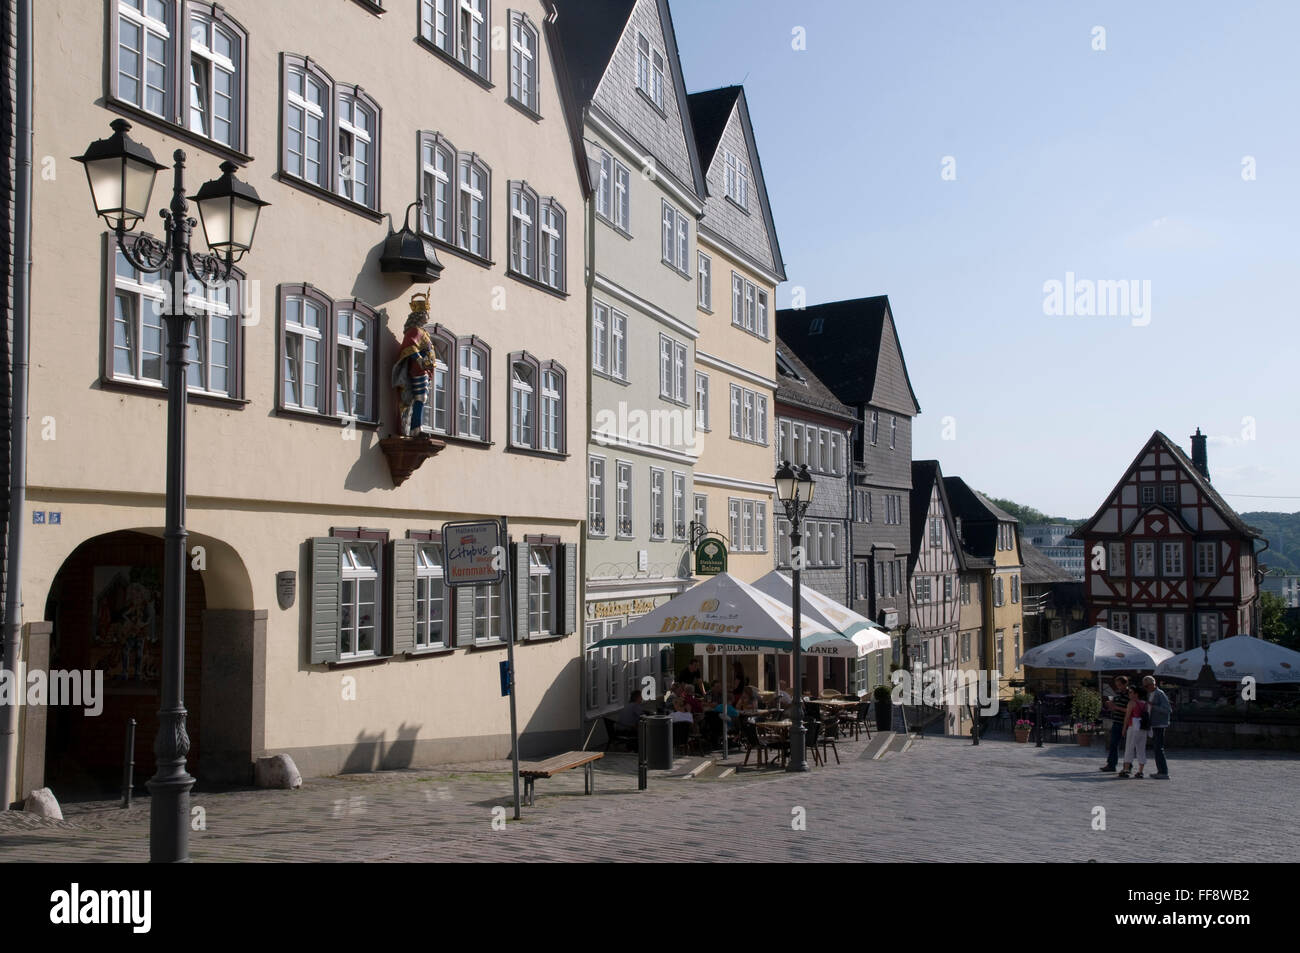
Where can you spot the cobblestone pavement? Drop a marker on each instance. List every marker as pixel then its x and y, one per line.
pixel 942 799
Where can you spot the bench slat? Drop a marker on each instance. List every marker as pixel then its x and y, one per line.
pixel 559 763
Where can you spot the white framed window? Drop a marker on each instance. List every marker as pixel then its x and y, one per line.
pixel 833 543
pixel 1015 589
pixel 354 389
pixel 437 166
pixel 471 392
pixel 622 197
pixel 1148 494
pixel 430 597
pixel 760 325
pixel 596 496
pixel 1175 632
pixel 747 525
pixel 523 404
pixel 552 410
pixel 733 525
pixel 672 369
pixel 618 345
pixel 331 133
pixel 650 70
pixel 704 275
pixel 1207 559
pixel 215 49
pixel 875 426
pixel 1146 627
pixel 304 321
pixel 541 590
pixel 523 61
pixel 782 542
pixel 749 417
pixel 623 497
pixel 782 439
pixel 523 230
pixel 1119 622
pixel 701 401
pixel 536 236
pixel 760 526
pixel 922 586
pixel 658 530
pixel 1207 627
pixel 600 336
pixel 999 591
pixel 1169 493
pixel 1144 559
pixel 679 505
pixel 458 28
pixel 1171 559
pixel 701 511
pixel 676 239
pixel 473 188
pixel 455 187
pixel 306 143
pixel 893 433
pixel 1117 564
pixel 358 600
pixel 357 133
pixel 737 178
pixel 551 267
pixel 487 613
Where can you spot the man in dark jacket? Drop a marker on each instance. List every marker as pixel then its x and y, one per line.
pixel 1161 710
pixel 1114 706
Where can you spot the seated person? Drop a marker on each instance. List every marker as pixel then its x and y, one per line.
pixel 749 699
pixel 692 701
pixel 730 711
pixel 680 712
pixel 783 697
pixel 630 715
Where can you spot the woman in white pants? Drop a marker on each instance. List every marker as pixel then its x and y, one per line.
pixel 1135 736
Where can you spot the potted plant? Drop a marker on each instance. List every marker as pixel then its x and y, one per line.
pixel 1086 709
pixel 1022 729
pixel 883 695
pixel 1020 701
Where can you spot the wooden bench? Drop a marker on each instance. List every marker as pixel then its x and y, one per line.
pixel 530 771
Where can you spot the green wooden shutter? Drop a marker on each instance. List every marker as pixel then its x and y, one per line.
pixel 521 578
pixel 401 588
pixel 568 560
pixel 326 585
pixel 464 615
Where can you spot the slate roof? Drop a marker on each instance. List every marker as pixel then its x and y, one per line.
pixel 846 349
pixel 710 111
pixel 979 519
pixel 797 385
pixel 1228 514
pixel 1038 569
pixel 589 34
pixel 925 474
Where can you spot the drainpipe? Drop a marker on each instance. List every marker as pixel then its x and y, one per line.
pixel 13 608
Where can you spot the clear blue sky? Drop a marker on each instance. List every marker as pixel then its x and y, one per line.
pixel 1119 164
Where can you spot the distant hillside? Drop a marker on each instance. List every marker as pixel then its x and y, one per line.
pixel 1283 533
pixel 1027 514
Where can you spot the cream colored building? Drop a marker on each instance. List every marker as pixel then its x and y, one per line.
pixel 341 118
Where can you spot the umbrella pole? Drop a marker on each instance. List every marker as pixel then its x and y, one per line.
pixel 725 719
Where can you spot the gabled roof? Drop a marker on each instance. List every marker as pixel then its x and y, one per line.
pixel 1038 569
pixel 589 34
pixel 926 474
pixel 843 340
pixel 797 385
pixel 979 518
pixel 1159 440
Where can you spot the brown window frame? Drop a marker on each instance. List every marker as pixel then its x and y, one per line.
pixel 328 410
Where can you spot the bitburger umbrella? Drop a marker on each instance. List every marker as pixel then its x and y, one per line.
pixel 1096 649
pixel 1235 658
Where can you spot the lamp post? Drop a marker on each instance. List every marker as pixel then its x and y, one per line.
pixel 794 488
pixel 121 174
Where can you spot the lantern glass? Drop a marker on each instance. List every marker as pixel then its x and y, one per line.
pixel 785 482
pixel 806 485
pixel 228 209
pixel 121 174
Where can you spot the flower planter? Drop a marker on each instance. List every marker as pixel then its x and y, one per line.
pixel 1022 735
pixel 1084 738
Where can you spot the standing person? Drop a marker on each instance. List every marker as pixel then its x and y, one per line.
pixel 738 681
pixel 1161 710
pixel 1137 725
pixel 692 675
pixel 1115 706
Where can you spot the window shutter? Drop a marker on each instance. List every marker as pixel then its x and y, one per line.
pixel 569 579
pixel 401 589
pixel 326 582
pixel 464 615
pixel 520 580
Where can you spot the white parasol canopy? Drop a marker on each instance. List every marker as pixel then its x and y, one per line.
pixel 1235 658
pixel 853 635
pixel 1096 649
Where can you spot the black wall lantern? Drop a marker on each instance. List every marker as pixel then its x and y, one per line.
pixel 408 252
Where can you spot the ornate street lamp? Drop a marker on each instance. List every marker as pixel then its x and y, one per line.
pixel 794 488
pixel 121 174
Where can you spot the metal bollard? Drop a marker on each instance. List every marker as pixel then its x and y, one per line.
pixel 128 763
pixel 1038 722
pixel 641 744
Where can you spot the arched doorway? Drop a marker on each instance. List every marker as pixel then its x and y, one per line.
pixel 106 608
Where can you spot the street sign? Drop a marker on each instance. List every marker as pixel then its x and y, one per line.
pixel 710 557
pixel 505 679
pixel 473 553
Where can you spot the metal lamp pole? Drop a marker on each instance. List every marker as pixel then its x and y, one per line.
pixel 795 489
pixel 231 203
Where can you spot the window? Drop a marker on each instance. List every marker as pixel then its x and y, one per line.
pixel 1169 493
pixel 701 401
pixel 1118 559
pixel 965 646
pixel 922 584
pixel 536 236
pixel 836 453
pixel 541 590
pixel 320 339
pixel 523 229
pixel 947 588
pixel 1144 559
pixel 893 432
pixel 701 511
pixel 747 525
pixel 864 506
pixel 965 595
pixel 1207 559
pixel 624 499
pixel 999 591
pixel 679 506
pixel 596 496
pixel 1148 494
pixel 657 530
pixel 650 70
pixel 1015 644
pixel 748 306
pixel 1000 641
pixel 875 426
pixel 782 542
pixel 358 605
pixel 612 191
pixel 936 531
pixel 1175 633
pixel 705 276
pixel 737 179
pixel 459 29
pixel 733 525
pixel 1015 589
pixel 1171 558
pixel 600 337
pixel 471 390
pixel 1146 627
pixel 183 63
pixel 523 61
pixel 675 240
pixel 135 349
pixel 331 133
pixel 487 613
pixel 1119 622
pixel 430 597
pixel 672 369
pixel 1207 626
pixel 749 416
pixel 608 340
pixel 456 187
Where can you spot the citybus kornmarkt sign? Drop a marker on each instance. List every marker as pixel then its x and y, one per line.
pixel 710 557
pixel 472 553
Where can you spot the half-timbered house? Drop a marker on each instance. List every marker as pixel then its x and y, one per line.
pixel 933 573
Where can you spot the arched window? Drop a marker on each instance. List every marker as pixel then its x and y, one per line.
pixel 523 230
pixel 354 386
pixel 472 389
pixel 523 403
pixel 551 267
pixel 444 349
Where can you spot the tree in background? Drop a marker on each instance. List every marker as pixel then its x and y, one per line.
pixel 1274 624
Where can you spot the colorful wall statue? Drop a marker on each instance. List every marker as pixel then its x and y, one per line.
pixel 415 362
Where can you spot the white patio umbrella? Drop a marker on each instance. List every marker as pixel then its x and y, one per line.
pixel 1235 658
pixel 853 635
pixel 1096 649
pixel 722 610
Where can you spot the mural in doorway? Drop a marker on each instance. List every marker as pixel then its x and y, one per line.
pixel 127 621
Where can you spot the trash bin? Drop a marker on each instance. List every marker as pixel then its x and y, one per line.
pixel 659 742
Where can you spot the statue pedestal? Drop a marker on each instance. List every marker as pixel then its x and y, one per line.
pixel 405 454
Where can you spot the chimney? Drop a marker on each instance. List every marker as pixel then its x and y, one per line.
pixel 1199 459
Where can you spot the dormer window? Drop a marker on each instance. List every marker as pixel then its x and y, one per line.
pixel 737 179
pixel 650 70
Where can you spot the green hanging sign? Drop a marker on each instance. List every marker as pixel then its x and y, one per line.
pixel 710 556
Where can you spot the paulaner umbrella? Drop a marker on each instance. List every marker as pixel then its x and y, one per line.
pixel 1096 649
pixel 1235 658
